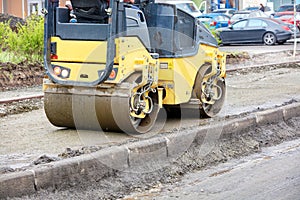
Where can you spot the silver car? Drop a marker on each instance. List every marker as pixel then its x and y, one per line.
pixel 239 15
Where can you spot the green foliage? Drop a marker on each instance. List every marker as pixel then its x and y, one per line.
pixel 4 28
pixel 25 43
pixel 197 2
pixel 214 33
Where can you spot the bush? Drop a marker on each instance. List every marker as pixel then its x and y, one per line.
pixel 4 28
pixel 27 41
pixel 214 33
pixel 217 36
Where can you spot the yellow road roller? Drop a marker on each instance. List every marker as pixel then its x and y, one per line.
pixel 113 66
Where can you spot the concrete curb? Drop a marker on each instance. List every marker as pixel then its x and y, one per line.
pixel 138 157
pixel 17 184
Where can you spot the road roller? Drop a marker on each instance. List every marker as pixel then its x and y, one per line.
pixel 114 66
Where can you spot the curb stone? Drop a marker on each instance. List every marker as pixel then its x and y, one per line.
pixel 141 156
pixel 269 116
pixel 238 125
pixel 17 184
pixel 74 170
pixel 147 155
pixel 185 140
pixel 291 110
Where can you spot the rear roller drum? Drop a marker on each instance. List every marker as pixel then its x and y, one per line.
pixel 125 110
pixel 58 109
pixel 139 111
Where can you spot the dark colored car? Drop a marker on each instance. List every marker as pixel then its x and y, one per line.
pixel 255 30
pixel 246 14
pixel 214 20
pixel 251 8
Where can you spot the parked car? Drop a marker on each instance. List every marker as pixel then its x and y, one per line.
pixel 268 11
pixel 287 7
pixel 226 11
pixel 250 8
pixel 214 20
pixel 288 17
pixel 255 30
pixel 246 14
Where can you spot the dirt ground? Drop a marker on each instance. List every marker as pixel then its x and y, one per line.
pixel 13 76
pixel 13 21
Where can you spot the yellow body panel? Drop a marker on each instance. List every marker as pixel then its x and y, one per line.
pixel 81 57
pixel 132 56
pixel 175 75
pixel 80 51
pixel 83 72
pixel 178 79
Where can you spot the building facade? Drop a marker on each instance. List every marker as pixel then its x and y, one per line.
pixel 23 8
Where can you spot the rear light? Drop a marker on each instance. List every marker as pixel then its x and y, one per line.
pixel 214 23
pixel 54 57
pixel 286 28
pixel 57 70
pixel 64 73
pixel 229 22
pixel 61 71
pixel 112 74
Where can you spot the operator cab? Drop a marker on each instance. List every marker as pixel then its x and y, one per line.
pixel 161 27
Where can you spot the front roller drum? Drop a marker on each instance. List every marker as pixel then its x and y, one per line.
pixel 210 91
pixel 107 113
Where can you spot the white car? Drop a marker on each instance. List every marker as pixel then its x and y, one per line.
pixel 187 6
pixel 226 11
pixel 269 11
pixel 239 15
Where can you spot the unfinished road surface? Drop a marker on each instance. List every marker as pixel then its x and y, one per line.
pixel 28 140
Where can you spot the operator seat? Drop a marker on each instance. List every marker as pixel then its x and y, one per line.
pixel 90 11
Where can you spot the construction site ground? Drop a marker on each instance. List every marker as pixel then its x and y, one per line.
pixel 29 141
